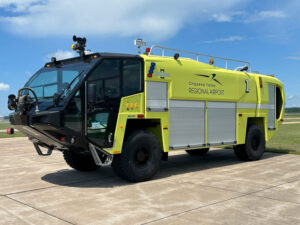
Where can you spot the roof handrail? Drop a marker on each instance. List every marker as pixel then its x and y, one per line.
pixel 197 55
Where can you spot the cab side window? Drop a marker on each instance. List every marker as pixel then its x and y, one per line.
pixel 132 77
pixel 106 76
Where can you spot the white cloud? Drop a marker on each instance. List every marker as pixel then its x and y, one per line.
pixel 293 57
pixel 291 97
pixel 17 5
pixel 59 55
pixel 293 101
pixel 228 39
pixel 4 87
pixel 156 19
pixel 222 17
pixel 263 15
pixel 229 16
pixel 248 17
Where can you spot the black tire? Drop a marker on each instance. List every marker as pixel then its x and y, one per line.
pixel 80 161
pixel 254 147
pixel 140 158
pixel 198 152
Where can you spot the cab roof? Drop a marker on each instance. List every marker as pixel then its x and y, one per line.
pixel 90 57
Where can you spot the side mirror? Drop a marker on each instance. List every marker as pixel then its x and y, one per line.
pixel 91 94
pixel 11 103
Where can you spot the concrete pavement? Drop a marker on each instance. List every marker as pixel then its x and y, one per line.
pixel 215 189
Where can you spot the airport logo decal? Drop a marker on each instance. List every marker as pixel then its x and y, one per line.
pixel 213 77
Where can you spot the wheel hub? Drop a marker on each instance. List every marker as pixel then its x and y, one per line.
pixel 255 143
pixel 142 156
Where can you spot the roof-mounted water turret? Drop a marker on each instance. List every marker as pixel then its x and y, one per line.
pixel 79 46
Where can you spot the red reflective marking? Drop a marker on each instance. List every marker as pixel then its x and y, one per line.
pixel 260 82
pixel 62 138
pixel 141 116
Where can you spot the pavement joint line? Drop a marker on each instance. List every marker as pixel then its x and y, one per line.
pixel 193 209
pixel 49 214
pixel 214 203
pixel 52 186
pixel 37 189
pixel 274 186
pixel 296 203
pixel 35 165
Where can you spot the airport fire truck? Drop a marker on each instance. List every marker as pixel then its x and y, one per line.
pixel 129 111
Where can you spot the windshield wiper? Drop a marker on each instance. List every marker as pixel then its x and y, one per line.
pixel 56 97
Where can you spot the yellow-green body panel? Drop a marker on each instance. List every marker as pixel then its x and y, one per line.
pixel 191 80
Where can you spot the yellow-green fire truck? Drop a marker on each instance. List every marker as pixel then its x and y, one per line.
pixel 130 111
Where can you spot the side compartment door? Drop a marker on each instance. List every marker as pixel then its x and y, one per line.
pixel 187 124
pixel 271 107
pixel 157 96
pixel 221 123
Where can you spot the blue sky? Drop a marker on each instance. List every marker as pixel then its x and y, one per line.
pixel 266 33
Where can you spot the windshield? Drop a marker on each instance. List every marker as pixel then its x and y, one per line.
pixel 48 81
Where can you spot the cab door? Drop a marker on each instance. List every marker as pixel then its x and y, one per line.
pixel 101 115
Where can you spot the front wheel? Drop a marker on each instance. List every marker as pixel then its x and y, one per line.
pixel 254 147
pixel 80 161
pixel 140 158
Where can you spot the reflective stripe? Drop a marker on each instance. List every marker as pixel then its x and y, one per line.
pixel 246 105
pixel 265 106
pixel 253 106
pixel 186 104
pixel 221 105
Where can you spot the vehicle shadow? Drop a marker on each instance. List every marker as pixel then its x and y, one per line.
pixel 180 163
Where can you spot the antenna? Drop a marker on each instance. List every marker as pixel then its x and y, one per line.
pixel 139 43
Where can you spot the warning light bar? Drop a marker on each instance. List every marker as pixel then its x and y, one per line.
pixel 151 69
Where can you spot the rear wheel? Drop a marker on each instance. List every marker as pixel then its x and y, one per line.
pixel 80 161
pixel 140 158
pixel 254 147
pixel 198 152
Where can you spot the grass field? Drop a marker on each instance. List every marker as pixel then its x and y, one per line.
pixel 287 138
pixel 16 134
pixel 4 125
